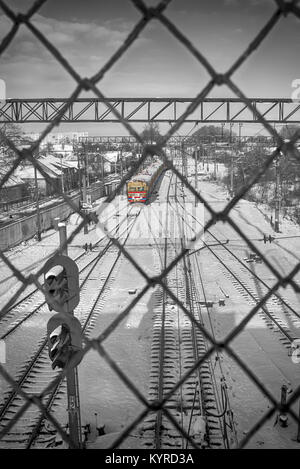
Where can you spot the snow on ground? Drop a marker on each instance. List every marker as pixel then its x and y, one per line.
pixel 28 257
pixel 101 389
pixel 256 345
pixel 128 345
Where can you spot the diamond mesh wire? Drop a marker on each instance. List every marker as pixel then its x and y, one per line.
pixel 148 14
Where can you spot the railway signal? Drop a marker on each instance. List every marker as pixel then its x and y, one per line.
pixel 64 335
pixel 62 295
pixel 61 284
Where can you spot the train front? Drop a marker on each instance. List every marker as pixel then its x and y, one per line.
pixel 137 190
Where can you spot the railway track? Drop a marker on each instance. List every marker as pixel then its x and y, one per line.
pixel 226 420
pixel 38 373
pixel 276 312
pixel 213 406
pixel 176 345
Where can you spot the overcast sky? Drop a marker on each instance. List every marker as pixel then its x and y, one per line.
pixel 88 32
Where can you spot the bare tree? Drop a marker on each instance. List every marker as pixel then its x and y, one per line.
pixel 7 155
pixel 151 133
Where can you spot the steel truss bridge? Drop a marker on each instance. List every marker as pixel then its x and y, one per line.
pixel 143 110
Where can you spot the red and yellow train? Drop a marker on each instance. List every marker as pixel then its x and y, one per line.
pixel 140 187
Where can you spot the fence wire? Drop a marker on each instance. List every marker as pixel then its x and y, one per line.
pixel 282 10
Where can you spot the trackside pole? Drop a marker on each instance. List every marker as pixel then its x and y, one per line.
pixel 283 419
pixel 182 162
pixel 277 196
pixel 231 177
pixel 72 375
pixel 102 176
pixel 38 214
pixel 84 187
pixel 196 174
pixel 63 238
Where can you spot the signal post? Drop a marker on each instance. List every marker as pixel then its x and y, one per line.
pixel 63 329
pixel 72 374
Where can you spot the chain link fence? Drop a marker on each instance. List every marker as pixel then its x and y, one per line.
pixel 282 9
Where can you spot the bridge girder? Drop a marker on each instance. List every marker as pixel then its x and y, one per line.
pixel 144 110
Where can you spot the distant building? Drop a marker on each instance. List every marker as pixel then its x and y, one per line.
pixel 13 190
pixel 64 149
pixel 58 170
pixel 45 187
pixel 110 160
pixel 57 138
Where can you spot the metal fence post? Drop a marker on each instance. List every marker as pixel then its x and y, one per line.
pixel 282 416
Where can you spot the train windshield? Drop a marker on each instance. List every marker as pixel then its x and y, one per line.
pixel 136 186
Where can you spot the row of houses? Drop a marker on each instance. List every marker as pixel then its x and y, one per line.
pixel 61 175
pixel 62 171
pixel 21 186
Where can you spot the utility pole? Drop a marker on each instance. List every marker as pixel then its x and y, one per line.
pixel 86 163
pixel 230 135
pixel 196 173
pixel 240 134
pixel 231 177
pixel 84 175
pixel 102 174
pixel 231 166
pixel 215 156
pixel 38 214
pixel 85 229
pixel 277 195
pixel 121 163
pixel 215 168
pixel 222 134
pixel 79 176
pixel 182 160
pixel 84 193
pixel 121 169
pixel 62 175
pixel 72 374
